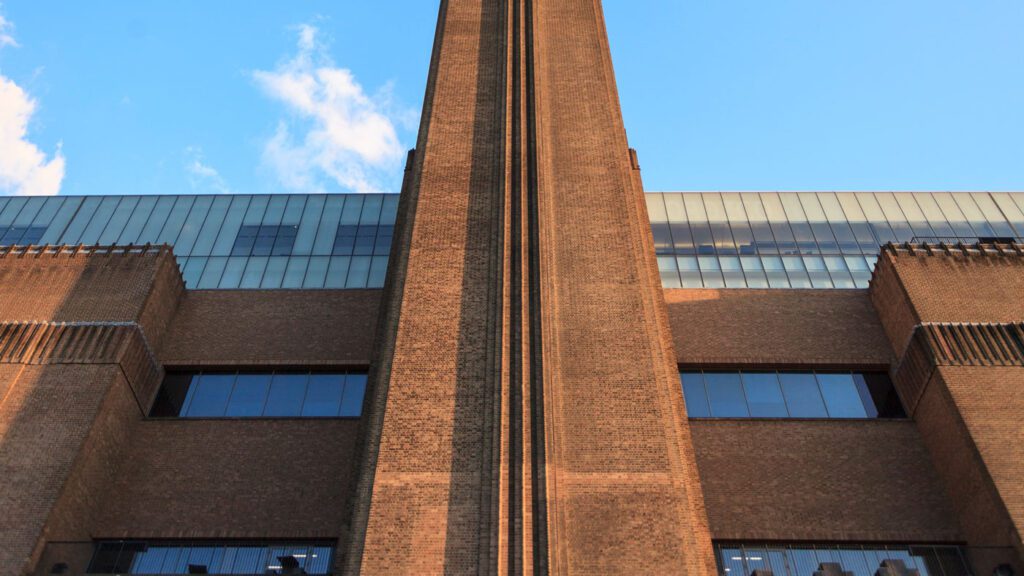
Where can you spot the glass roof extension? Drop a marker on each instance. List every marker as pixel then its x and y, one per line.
pixel 811 239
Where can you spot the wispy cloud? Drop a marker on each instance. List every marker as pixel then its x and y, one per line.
pixel 336 133
pixel 24 168
pixel 202 176
pixel 6 32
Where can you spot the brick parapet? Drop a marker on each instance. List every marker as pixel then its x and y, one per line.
pixel 954 325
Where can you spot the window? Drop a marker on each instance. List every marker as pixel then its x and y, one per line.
pixel 261 395
pixel 21 235
pixel 771 394
pixel 160 558
pixel 265 240
pixel 738 559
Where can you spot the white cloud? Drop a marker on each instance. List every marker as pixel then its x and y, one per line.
pixel 203 177
pixel 6 39
pixel 24 168
pixel 336 132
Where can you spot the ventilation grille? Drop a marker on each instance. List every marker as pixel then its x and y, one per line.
pixel 975 344
pixel 121 343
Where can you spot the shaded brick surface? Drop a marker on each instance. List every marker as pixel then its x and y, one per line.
pixel 279 327
pixel 776 328
pixel 968 415
pixel 623 492
pixel 821 481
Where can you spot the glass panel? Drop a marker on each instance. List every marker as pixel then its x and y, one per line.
pixel 1013 212
pixel 695 395
pixel 253 272
pixel 64 215
pixel 754 271
pixel 275 210
pixel 232 276
pixel 210 398
pixel 99 220
pixel 797 273
pixel 119 220
pixel 323 396
pixel 689 272
pixel 232 223
pixel 274 274
pixel 358 272
pixel 719 223
pixel 211 226
pixel 841 397
pixel 352 401
pixel 308 225
pixel 378 271
pixel 711 272
pixel 918 223
pixel 337 272
pixel 764 396
pixel 894 214
pixel 732 272
pixel 249 395
pixel 190 230
pixel 699 227
pixel 316 272
pixel 287 392
pixel 295 272
pixel 669 272
pixel 974 215
pixel 731 562
pixel 157 219
pixel 775 271
pixel 803 397
pixel 993 215
pixel 192 271
pixel 955 217
pixel 783 233
pixel 140 215
pixel 324 243
pixel 73 233
pixel 389 211
pixel 725 395
pixel 211 273
pixel 836 266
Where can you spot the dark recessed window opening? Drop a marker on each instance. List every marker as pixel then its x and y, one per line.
pixel 363 240
pixel 261 395
pixel 21 235
pixel 773 394
pixel 778 559
pixel 265 240
pixel 160 558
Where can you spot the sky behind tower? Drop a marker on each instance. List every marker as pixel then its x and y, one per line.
pixel 120 97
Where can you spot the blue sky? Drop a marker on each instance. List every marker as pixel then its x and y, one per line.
pixel 324 95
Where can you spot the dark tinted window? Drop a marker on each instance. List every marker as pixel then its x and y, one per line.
pixel 265 240
pixel 768 394
pixel 160 558
pixel 725 394
pixel 268 394
pixel 801 559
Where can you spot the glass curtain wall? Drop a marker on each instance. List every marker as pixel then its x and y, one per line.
pixel 811 239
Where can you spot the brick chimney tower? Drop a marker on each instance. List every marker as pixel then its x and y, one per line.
pixel 528 417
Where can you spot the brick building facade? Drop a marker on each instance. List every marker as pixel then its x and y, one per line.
pixel 557 374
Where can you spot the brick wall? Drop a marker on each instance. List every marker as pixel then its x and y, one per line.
pixel 821 481
pixel 968 412
pixel 261 479
pixel 776 328
pixel 280 327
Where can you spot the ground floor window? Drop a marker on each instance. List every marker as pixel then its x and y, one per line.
pixel 250 558
pixel 775 559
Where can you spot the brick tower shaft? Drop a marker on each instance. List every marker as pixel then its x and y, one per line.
pixel 529 418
